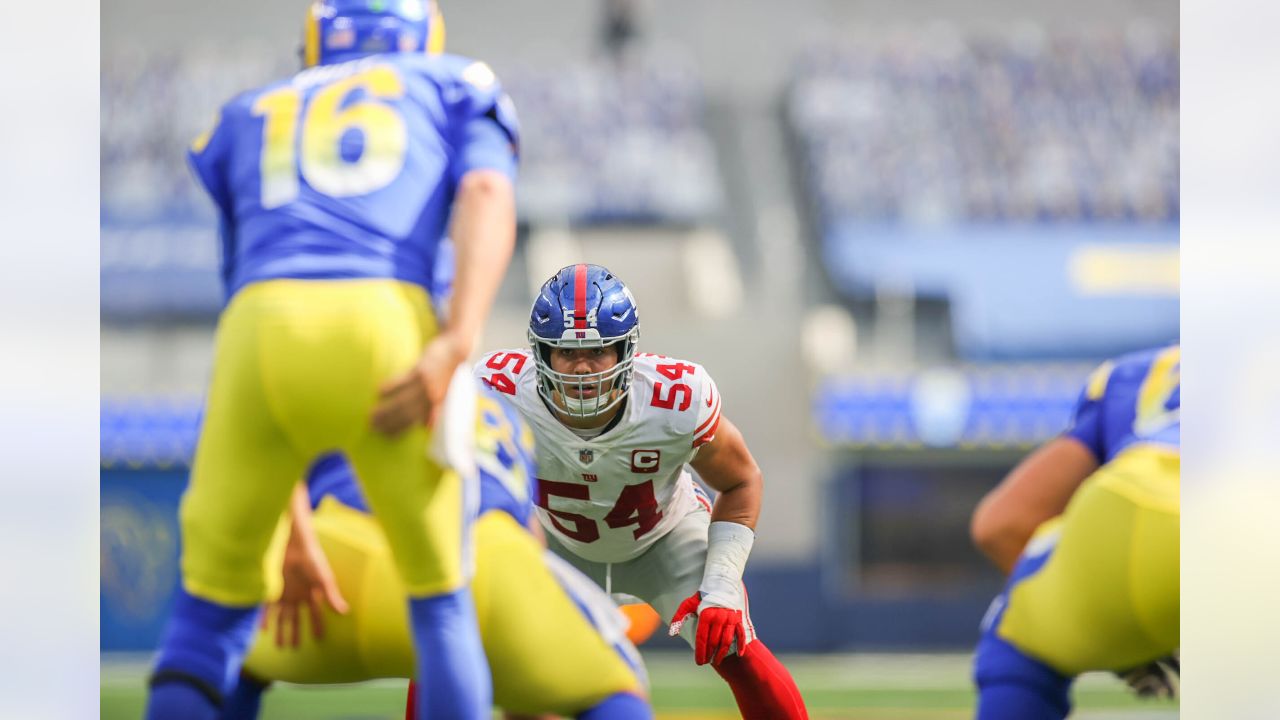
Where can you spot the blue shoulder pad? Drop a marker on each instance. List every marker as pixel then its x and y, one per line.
pixel 483 123
pixel 1087 418
pixel 211 152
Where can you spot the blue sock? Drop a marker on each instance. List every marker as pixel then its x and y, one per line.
pixel 622 706
pixel 179 700
pixel 1016 701
pixel 245 702
pixel 1014 686
pixel 201 650
pixel 452 672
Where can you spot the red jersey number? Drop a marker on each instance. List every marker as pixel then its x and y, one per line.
pixel 500 381
pixel 636 505
pixel 678 392
pixel 583 529
pixel 675 371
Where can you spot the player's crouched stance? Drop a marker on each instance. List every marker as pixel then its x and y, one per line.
pixel 554 642
pixel 1095 588
pixel 614 433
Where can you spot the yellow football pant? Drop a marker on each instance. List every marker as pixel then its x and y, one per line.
pixel 1108 596
pixel 544 655
pixel 297 368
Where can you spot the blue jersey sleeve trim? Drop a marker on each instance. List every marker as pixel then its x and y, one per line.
pixel 227 238
pixel 1088 417
pixel 485 130
pixel 207 157
pixel 1086 425
pixel 485 145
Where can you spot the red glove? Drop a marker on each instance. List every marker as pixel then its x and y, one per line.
pixel 718 628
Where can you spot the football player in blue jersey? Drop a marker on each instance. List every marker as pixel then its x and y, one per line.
pixel 1087 527
pixel 555 643
pixel 333 188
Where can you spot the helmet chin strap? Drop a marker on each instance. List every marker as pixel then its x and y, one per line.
pixel 572 406
pixel 578 407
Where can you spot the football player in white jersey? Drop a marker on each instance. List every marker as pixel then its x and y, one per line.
pixel 616 434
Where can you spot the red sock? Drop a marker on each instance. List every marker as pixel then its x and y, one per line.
pixel 762 687
pixel 410 708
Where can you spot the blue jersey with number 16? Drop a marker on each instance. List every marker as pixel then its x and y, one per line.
pixel 349 170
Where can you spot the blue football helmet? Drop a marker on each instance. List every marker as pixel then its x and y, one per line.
pixel 584 306
pixel 341 30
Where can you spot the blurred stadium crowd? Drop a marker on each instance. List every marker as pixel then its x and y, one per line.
pixel 604 142
pixel 929 129
pixel 940 128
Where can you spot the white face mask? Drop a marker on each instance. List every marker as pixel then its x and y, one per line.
pixel 587 395
pixel 606 389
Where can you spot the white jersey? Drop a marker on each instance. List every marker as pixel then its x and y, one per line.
pixel 610 498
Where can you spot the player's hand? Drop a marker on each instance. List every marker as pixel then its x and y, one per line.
pixel 308 583
pixel 1157 679
pixel 416 396
pixel 718 629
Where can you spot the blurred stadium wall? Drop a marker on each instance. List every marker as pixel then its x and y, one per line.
pixel 898 235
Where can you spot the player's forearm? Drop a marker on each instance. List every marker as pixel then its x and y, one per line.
pixel 302 534
pixel 729 545
pixel 1002 547
pixel 739 503
pixel 1001 527
pixel 484 235
pixel 730 538
pixel 1037 489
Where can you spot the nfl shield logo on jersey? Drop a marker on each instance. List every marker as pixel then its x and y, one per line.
pixel 586 456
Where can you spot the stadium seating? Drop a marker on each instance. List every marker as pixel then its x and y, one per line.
pixel 614 143
pixel 937 129
pixel 152 432
pixel 982 407
pixel 1031 180
pixel 600 144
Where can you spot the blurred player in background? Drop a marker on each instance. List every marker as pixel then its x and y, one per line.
pixel 555 643
pixel 1088 527
pixel 333 189
pixel 614 432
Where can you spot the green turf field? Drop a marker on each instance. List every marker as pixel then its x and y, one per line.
pixel 862 687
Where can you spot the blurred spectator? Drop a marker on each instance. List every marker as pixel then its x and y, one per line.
pixel 151 108
pixel 621 26
pixel 600 142
pixel 935 128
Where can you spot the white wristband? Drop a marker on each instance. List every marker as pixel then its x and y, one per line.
pixel 728 546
